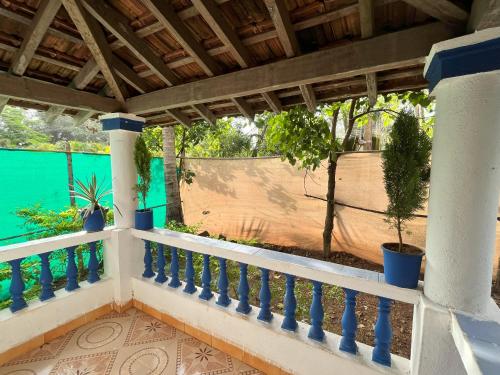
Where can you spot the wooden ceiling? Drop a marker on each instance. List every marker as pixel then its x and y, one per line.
pixel 181 60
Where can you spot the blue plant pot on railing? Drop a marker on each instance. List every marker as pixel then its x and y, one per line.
pixel 144 219
pixel 401 269
pixel 95 221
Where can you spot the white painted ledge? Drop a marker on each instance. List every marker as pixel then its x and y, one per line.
pixel 40 317
pixel 43 245
pixel 293 352
pixel 307 268
pixel 478 342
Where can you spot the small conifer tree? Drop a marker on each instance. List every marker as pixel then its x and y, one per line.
pixel 406 165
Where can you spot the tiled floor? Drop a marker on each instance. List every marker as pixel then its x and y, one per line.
pixel 123 344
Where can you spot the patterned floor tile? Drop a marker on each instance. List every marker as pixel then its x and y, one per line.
pixel 90 364
pixel 146 329
pixel 197 358
pixel 130 343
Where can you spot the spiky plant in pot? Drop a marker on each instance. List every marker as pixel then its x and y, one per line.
pixel 142 160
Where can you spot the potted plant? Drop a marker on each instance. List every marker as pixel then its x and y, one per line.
pixel 142 159
pixel 93 214
pixel 406 166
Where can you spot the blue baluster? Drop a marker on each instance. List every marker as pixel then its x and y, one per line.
pixel 148 261
pixel 174 269
pixel 17 286
pixel 93 264
pixel 206 293
pixel 160 263
pixel 317 314
pixel 190 287
pixel 223 284
pixel 349 323
pixel 265 313
pixel 289 323
pixel 383 333
pixel 71 270
pixel 46 278
pixel 243 290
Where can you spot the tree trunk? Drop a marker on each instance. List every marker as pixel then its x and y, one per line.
pixel 174 206
pixel 367 135
pixel 330 206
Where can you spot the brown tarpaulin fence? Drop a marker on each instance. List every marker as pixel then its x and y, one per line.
pixel 265 199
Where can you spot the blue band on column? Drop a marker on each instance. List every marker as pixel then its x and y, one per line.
pixel 119 123
pixel 475 58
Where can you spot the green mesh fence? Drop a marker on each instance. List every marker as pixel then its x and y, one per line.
pixel 33 177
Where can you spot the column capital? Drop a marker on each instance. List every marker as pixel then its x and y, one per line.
pixel 122 121
pixel 470 54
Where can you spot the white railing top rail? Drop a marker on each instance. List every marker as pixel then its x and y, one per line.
pixel 307 268
pixel 43 245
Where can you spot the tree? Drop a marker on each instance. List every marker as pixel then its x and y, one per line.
pixel 406 165
pixel 174 204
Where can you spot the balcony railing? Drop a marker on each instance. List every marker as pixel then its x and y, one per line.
pixel 188 294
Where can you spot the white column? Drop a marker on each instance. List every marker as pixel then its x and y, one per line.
pixel 464 192
pixel 123 253
pixel 124 176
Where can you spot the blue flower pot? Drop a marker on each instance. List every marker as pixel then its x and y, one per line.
pixel 95 222
pixel 401 269
pixel 144 219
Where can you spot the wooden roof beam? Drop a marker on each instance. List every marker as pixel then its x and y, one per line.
pixel 211 13
pixel 3 102
pixel 34 34
pixel 53 113
pixel 130 76
pixel 273 101
pixel 205 113
pixel 408 48
pixel 82 116
pixel 96 41
pixel 309 97
pixel 86 74
pixel 284 27
pixel 367 23
pixel 169 19
pixel 443 10
pixel 244 107
pixel 118 24
pixel 179 116
pixel 37 91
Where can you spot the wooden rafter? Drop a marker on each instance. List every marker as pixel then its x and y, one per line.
pixel 284 27
pixel 3 102
pixel 53 113
pixel 215 19
pixel 408 48
pixel 118 24
pixel 309 97
pixel 82 116
pixel 367 22
pixel 169 19
pixel 244 107
pixel 443 10
pixel 48 93
pixel 273 101
pixel 96 41
pixel 205 113
pixel 86 74
pixel 180 117
pixel 43 18
pixel 130 76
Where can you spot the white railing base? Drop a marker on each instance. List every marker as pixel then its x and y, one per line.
pixel 292 352
pixel 41 317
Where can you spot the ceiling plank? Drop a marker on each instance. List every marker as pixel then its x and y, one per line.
pixel 205 113
pixel 95 40
pixel 273 101
pixel 211 13
pixel 34 34
pixel 169 19
pixel 179 116
pixel 37 91
pixel 389 51
pixel 284 27
pixel 367 23
pixel 443 10
pixel 118 24
pixel 309 97
pixel 244 107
